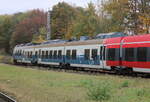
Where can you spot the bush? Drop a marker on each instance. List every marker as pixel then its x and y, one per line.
pixel 141 92
pixel 6 59
pixel 99 92
pixel 125 84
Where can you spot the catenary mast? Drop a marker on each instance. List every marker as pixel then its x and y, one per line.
pixel 49 25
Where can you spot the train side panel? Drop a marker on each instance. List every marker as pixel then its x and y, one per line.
pixel 136 53
pixel 113 52
pixel 50 55
pixel 89 56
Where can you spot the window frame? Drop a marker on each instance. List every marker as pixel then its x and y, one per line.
pixel 87 54
pixel 74 54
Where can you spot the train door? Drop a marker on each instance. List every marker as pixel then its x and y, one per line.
pixel 103 57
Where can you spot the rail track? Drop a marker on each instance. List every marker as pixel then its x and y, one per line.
pixel 5 98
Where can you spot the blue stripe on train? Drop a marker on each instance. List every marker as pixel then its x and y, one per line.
pixel 79 60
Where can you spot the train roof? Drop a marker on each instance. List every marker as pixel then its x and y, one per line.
pixel 73 43
pixel 113 40
pixel 137 38
pixel 110 35
pixel 83 41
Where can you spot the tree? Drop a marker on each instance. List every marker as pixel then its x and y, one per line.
pixel 62 16
pixel 28 27
pixel 144 17
pixel 6 29
pixel 116 11
pixel 41 37
pixel 133 18
pixel 86 22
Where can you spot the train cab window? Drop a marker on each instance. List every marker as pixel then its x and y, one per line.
pixel 51 54
pixel 87 54
pixel 74 54
pixel 111 53
pixel 94 54
pixel 142 54
pixel 55 54
pixel 59 54
pixel 129 54
pixel 68 54
pixel 46 55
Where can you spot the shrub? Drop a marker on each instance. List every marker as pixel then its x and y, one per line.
pixel 125 84
pixel 141 92
pixel 99 92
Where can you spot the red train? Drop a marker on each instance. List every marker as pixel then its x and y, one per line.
pixel 131 53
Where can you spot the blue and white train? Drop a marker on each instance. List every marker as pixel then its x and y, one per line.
pixel 86 54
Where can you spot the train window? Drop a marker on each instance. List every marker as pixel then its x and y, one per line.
pixel 142 54
pixel 31 54
pixel 104 53
pixel 28 54
pixel 111 53
pixel 55 54
pixel 42 54
pixel 101 49
pixel 68 54
pixel 94 54
pixel 36 53
pixel 46 55
pixel 50 54
pixel 129 54
pixel 59 54
pixel 87 54
pixel 74 54
pixel 20 52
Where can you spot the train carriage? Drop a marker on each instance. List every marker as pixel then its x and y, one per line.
pixel 130 53
pixel 136 53
pixel 88 54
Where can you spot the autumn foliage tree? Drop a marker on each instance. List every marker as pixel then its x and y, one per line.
pixel 62 15
pixel 28 27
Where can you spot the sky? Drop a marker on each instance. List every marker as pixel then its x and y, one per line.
pixel 14 6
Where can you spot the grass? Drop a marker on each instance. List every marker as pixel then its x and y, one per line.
pixel 31 85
